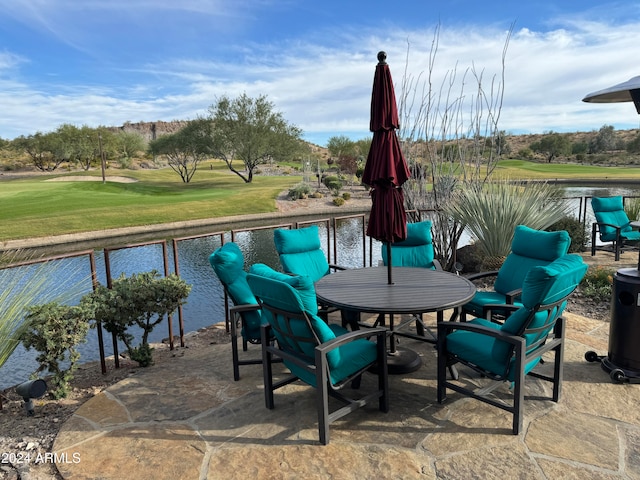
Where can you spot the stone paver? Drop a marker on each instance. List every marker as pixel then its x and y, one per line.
pixel 191 420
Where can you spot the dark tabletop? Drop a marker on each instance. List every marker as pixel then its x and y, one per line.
pixel 414 290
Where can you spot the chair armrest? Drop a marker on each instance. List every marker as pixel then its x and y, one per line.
pixel 350 337
pixel 510 296
pixel 239 309
pixel 617 227
pixel 478 276
pixel 336 267
pixel 443 327
pixel 502 307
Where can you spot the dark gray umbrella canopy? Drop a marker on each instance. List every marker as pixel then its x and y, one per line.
pixel 628 91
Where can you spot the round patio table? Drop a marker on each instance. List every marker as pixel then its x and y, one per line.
pixel 414 291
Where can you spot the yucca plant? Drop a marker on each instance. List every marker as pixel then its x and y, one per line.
pixel 632 208
pixel 492 212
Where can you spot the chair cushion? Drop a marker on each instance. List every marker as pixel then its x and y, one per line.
pixel 273 290
pixel 228 264
pixel 550 283
pixel 486 352
pixel 300 252
pixel 301 283
pixel 415 251
pixel 610 210
pixel 529 249
pixel 352 357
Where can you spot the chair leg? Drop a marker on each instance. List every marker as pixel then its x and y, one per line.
pixel 267 371
pixel 518 389
pixel 442 367
pixel 234 349
pixel 383 374
pixel 322 401
pixel 593 239
pixel 558 367
pixel 350 318
pixel 419 325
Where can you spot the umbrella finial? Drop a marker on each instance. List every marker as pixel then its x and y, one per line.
pixel 382 57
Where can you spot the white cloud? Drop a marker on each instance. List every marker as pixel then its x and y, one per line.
pixel 325 87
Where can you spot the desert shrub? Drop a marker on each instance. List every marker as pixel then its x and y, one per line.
pixel 346 195
pixel 125 163
pixel 301 190
pixel 317 195
pixel 143 299
pixel 338 201
pixel 597 284
pixel 333 183
pixel 576 230
pixel 54 331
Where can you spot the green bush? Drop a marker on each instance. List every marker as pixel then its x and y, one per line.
pixel 346 195
pixel 54 331
pixel 576 230
pixel 338 201
pixel 143 299
pixel 333 183
pixel 301 190
pixel 597 284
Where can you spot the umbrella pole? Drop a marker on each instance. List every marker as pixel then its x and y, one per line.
pixel 389 268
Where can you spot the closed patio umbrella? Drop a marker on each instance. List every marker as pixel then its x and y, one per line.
pixel 386 169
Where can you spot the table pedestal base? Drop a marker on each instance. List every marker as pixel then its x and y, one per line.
pixel 402 361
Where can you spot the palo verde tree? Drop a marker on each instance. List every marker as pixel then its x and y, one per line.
pixel 250 131
pixel 186 148
pixel 40 147
pixel 552 145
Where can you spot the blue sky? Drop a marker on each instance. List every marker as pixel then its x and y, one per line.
pixel 106 62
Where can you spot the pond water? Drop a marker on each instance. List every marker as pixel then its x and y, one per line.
pixel 205 305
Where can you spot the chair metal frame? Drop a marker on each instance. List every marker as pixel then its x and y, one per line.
pixel 319 367
pixel 236 319
pixel 619 245
pixel 554 341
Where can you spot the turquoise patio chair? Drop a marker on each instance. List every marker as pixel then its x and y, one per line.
pixel 510 351
pixel 228 264
pixel 300 254
pixel 414 251
pixel 612 225
pixel 324 356
pixel 529 248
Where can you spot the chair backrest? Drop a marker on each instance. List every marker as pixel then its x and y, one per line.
pixel 228 264
pixel 544 297
pixel 529 248
pixel 300 252
pixel 610 210
pixel 415 251
pixel 289 304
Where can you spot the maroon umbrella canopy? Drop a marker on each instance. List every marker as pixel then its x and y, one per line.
pixel 386 169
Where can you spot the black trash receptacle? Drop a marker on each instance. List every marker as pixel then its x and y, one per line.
pixel 624 331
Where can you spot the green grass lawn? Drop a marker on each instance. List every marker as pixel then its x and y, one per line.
pixel 35 207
